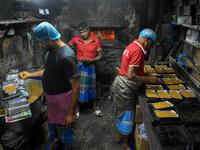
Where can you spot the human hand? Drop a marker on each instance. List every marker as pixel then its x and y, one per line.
pixel 152 79
pixel 154 74
pixel 69 120
pixel 23 75
pixel 87 62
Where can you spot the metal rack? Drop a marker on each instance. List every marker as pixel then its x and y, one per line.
pixel 191 82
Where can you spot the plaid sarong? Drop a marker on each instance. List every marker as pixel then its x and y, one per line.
pixel 62 133
pixel 87 82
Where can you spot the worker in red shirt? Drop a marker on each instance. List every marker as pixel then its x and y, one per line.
pixel 124 88
pixel 88 47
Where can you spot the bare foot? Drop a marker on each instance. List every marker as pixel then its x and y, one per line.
pixel 125 147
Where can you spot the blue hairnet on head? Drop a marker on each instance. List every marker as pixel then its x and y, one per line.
pixel 45 30
pixel 148 33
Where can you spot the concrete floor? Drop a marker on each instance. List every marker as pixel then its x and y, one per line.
pixel 92 132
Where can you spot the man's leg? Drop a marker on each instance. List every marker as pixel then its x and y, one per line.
pixel 84 84
pixel 97 112
pixel 124 127
pixel 66 135
pixel 68 148
pixel 125 145
pixel 92 89
pixel 95 105
pixel 119 138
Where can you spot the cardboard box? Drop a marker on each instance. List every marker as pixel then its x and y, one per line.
pixel 138 114
pixel 139 142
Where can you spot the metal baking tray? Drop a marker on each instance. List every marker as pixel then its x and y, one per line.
pixel 165 102
pixel 159 70
pixel 169 75
pixel 164 119
pixel 176 87
pixel 167 81
pixel 17 102
pixel 177 81
pixel 190 96
pixel 160 66
pixel 154 87
pixel 155 95
pixel 164 92
pixel 171 92
pixel 15 110
pixel 169 70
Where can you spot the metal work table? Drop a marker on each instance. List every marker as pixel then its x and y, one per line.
pixel 147 119
pixel 16 135
pixel 191 84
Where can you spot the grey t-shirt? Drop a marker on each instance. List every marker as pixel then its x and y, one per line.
pixel 60 66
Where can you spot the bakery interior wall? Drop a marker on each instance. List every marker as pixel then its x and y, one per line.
pixel 19 50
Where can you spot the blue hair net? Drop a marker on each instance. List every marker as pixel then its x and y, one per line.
pixel 148 33
pixel 45 30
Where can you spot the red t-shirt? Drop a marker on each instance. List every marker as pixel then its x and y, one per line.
pixel 86 51
pixel 133 55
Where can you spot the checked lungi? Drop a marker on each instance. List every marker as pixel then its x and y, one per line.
pixel 87 82
pixel 64 134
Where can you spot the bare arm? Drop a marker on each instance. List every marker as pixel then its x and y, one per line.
pixel 36 74
pixel 69 44
pixel 99 56
pixel 131 75
pixel 26 75
pixel 70 118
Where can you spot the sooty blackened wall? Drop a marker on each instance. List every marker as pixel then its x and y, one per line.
pixel 126 17
pixel 100 14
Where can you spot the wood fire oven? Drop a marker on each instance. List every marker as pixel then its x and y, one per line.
pixel 112 53
pixel 117 22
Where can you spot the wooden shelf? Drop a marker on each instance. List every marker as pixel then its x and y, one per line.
pixel 191 44
pixel 194 27
pixel 8 22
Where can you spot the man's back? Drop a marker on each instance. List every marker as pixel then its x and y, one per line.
pixel 133 55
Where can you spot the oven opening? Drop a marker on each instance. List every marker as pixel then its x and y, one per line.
pixel 104 34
